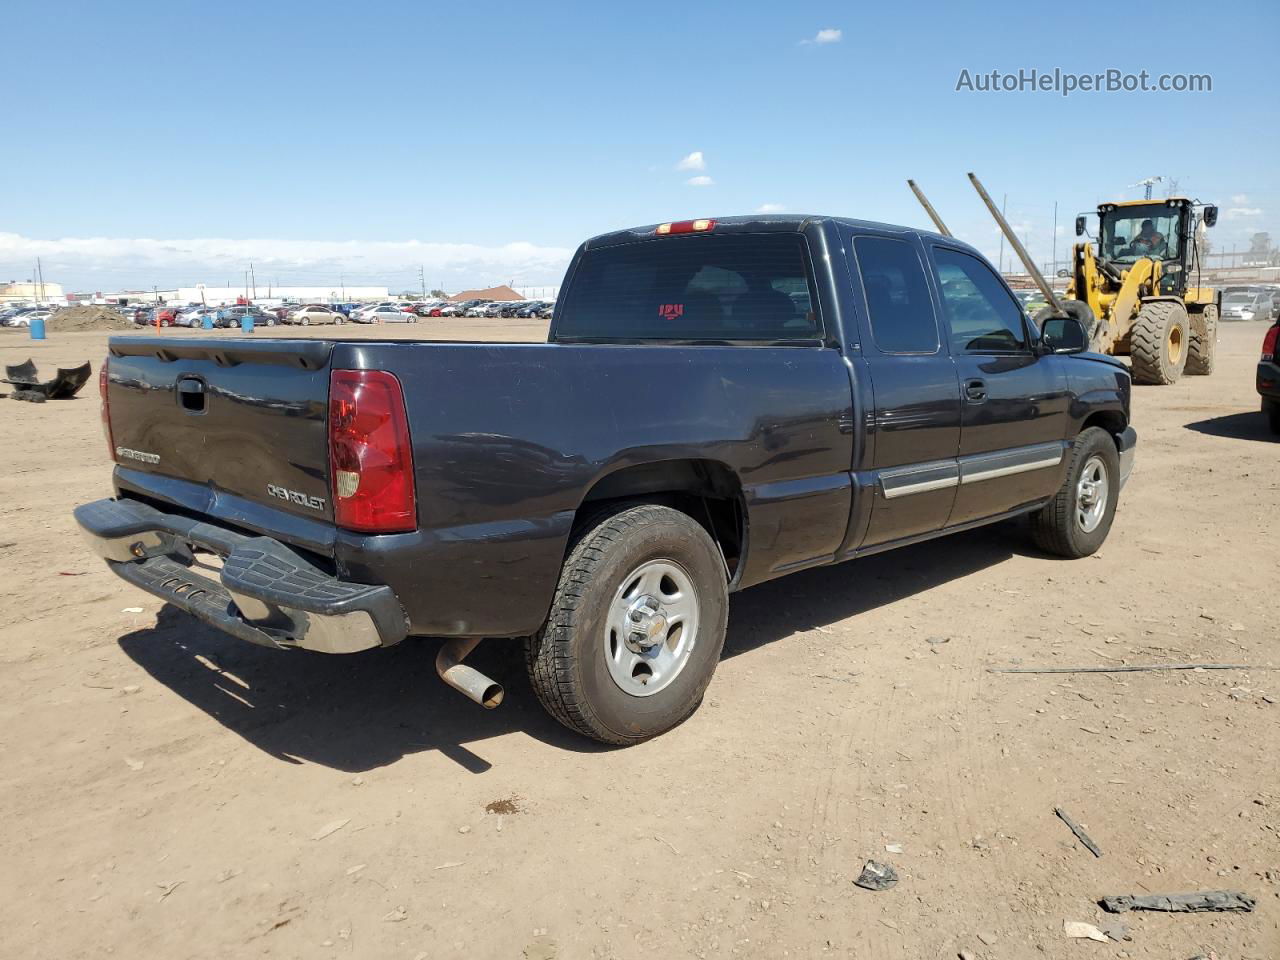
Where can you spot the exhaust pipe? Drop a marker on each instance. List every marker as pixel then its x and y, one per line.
pixel 468 681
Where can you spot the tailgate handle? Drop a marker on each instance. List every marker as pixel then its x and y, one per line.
pixel 191 394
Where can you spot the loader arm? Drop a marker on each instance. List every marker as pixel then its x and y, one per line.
pixel 1141 276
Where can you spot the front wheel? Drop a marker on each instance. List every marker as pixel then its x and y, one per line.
pixel 1076 521
pixel 636 626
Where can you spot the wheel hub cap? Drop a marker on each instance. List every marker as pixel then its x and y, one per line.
pixel 1091 494
pixel 651 628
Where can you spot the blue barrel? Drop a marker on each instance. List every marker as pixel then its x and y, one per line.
pixel 206 322
pixel 37 328
pixel 246 324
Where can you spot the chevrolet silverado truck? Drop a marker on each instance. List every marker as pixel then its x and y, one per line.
pixel 718 403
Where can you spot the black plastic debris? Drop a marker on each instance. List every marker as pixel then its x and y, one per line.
pixel 876 876
pixel 1206 901
pixel 30 387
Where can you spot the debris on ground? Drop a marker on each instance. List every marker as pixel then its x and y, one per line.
pixel 64 385
pixel 1078 831
pixel 1207 901
pixel 330 828
pixel 1117 930
pixel 876 876
pixel 1081 930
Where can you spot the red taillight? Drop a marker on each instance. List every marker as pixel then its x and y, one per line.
pixel 104 378
pixel 370 460
pixel 1269 344
pixel 684 226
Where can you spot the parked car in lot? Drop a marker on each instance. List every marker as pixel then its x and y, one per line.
pixel 194 317
pixel 530 309
pixel 387 314
pixel 424 309
pixel 314 313
pixel 27 317
pixel 1268 380
pixel 1247 303
pixel 481 309
pixel 229 317
pixel 719 403
pixel 459 308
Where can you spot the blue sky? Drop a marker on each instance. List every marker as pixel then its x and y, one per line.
pixel 167 142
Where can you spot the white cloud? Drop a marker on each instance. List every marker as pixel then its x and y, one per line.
pixel 700 182
pixel 826 35
pixel 1240 199
pixel 1236 213
pixel 693 161
pixel 770 208
pixel 100 263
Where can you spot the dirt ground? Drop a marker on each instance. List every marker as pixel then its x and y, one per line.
pixel 168 792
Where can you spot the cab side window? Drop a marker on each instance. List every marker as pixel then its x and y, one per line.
pixel 983 317
pixel 898 302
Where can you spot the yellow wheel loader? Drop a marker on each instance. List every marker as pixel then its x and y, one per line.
pixel 1139 292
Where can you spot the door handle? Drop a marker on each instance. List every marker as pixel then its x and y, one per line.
pixel 975 390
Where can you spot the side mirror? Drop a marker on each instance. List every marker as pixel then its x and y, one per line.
pixel 1210 216
pixel 1079 226
pixel 1064 335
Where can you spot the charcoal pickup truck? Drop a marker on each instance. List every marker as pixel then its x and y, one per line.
pixel 719 403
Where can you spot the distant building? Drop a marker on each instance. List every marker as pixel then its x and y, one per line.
pixel 489 293
pixel 21 292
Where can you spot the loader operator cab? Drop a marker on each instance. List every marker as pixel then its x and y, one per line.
pixel 1160 230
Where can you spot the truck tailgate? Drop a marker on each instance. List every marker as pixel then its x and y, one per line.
pixel 248 418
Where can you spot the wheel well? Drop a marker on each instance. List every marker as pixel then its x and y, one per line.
pixel 1112 421
pixel 706 490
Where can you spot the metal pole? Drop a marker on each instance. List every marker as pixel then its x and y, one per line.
pixel 1054 268
pixel 1003 200
pixel 928 208
pixel 1050 297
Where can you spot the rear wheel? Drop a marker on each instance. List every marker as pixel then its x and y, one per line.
pixel 1158 342
pixel 1271 409
pixel 636 626
pixel 1204 339
pixel 1076 521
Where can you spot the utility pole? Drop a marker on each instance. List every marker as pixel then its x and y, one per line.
pixel 246 284
pixel 40 276
pixel 1003 200
pixel 254 281
pixel 422 275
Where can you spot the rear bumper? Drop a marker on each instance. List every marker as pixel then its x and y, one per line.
pixel 1268 380
pixel 264 593
pixel 1127 444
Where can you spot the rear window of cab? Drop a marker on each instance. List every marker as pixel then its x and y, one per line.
pixel 742 287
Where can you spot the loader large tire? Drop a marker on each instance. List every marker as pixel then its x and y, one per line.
pixel 1082 313
pixel 1158 342
pixel 1204 338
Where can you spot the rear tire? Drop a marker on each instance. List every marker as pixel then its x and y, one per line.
pixel 1077 520
pixel 1158 342
pixel 1271 410
pixel 622 687
pixel 1202 349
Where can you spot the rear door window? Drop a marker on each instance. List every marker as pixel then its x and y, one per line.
pixel 745 287
pixel 898 301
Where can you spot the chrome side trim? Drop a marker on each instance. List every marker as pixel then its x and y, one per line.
pixel 919 478
pixel 989 466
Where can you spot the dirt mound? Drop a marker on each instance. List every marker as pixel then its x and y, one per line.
pixel 87 318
